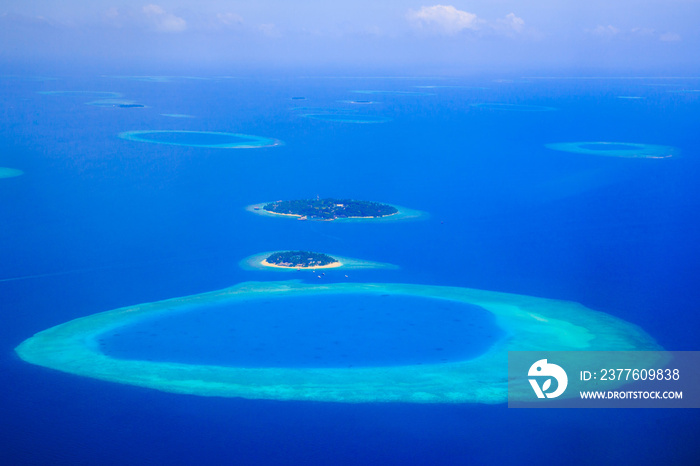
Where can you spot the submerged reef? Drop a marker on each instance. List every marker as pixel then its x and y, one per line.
pixel 528 323
pixel 358 102
pixel 10 172
pixel 116 103
pixel 616 149
pixel 389 92
pixel 348 118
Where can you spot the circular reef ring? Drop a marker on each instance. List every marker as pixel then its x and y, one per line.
pixel 616 149
pixel 239 141
pixel 529 323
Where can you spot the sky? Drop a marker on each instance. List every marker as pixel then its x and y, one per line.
pixel 454 36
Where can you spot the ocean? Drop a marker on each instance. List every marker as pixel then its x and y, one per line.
pixel 96 222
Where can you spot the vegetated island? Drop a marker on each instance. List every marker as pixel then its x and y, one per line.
pixel 300 260
pixel 330 209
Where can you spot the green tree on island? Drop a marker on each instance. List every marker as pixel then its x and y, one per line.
pixel 330 208
pixel 300 259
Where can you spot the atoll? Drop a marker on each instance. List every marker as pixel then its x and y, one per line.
pixel 528 323
pixel 210 139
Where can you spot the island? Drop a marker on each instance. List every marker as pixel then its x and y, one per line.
pixel 307 261
pixel 300 260
pixel 330 209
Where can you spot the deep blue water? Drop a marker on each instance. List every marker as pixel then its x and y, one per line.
pixel 98 222
pixel 339 330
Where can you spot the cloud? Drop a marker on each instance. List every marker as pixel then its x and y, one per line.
pixel 608 32
pixel 444 19
pixel 154 17
pixel 163 21
pixel 670 37
pixel 510 23
pixel 112 13
pixel 229 19
pixel 448 20
pixel 604 31
pixel 153 10
pixel 643 31
pixel 29 21
pixel 269 30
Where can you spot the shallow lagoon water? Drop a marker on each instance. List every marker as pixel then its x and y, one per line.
pixel 315 331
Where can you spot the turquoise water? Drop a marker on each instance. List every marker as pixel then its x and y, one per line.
pixel 611 146
pixel 6 172
pixel 313 331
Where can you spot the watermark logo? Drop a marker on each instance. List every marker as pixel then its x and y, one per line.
pixel 544 369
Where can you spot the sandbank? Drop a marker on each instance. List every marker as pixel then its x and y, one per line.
pixel 332 265
pixel 528 324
